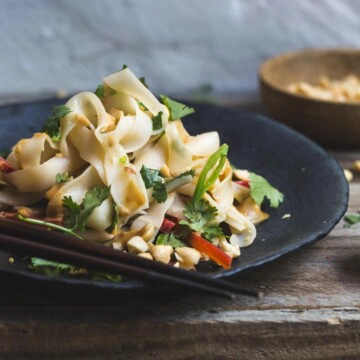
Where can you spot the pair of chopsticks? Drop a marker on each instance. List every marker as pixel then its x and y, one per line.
pixel 19 237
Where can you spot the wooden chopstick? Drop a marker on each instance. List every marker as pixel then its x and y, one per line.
pixel 40 242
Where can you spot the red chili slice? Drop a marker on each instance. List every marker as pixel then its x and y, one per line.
pixel 5 166
pixel 245 183
pixel 212 251
pixel 167 225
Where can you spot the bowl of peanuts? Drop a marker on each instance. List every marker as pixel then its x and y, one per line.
pixel 317 92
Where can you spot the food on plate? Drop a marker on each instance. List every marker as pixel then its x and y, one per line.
pixel 118 167
pixel 346 89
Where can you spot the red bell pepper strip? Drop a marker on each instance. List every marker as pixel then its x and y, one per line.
pixel 212 251
pixel 245 183
pixel 167 225
pixel 5 166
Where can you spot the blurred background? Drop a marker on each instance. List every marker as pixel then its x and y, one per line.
pixel 187 48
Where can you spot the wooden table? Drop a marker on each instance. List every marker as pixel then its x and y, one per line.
pixel 311 310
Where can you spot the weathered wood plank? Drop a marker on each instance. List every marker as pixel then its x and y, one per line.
pixel 274 334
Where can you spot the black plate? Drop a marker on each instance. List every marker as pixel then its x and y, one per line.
pixel 316 192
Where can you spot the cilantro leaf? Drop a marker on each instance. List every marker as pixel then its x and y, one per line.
pixel 261 188
pixel 149 176
pixel 157 121
pixel 61 178
pixel 159 191
pixel 153 179
pixel 76 215
pixel 143 81
pixel 190 172
pixel 99 92
pixel 177 110
pixel 169 239
pixel 52 268
pixel 52 124
pixel 201 216
pixel 351 219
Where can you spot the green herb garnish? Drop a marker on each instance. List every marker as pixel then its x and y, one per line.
pixel 62 178
pixel 52 124
pixel 153 179
pixel 351 219
pixel 169 239
pixel 99 92
pixel 49 225
pixel 52 268
pixel 177 110
pixel 76 215
pixel 261 188
pixel 150 176
pixel 200 214
pixel 201 218
pixel 157 121
pixel 143 81
pixel 159 192
pixel 205 180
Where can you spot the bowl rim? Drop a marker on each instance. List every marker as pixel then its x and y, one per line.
pixel 294 53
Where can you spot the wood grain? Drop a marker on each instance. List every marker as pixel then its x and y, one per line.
pixel 311 310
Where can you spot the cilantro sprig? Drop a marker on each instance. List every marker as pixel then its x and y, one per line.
pixel 351 219
pixel 169 239
pixel 52 268
pixel 161 187
pixel 201 218
pixel 77 215
pixel 261 188
pixel 62 178
pixel 150 176
pixel 177 110
pixel 52 124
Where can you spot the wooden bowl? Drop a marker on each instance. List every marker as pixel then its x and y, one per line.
pixel 332 124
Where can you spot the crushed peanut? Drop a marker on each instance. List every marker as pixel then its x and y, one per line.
pixel 348 175
pixel 346 89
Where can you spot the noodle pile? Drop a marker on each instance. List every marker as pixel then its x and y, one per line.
pixel 105 142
